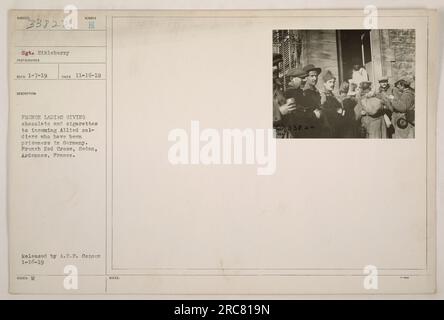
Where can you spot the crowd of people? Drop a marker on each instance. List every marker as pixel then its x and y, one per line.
pixel 358 110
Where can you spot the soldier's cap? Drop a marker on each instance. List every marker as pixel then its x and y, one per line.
pixel 328 75
pixel 405 80
pixel 383 79
pixel 311 67
pixel 297 72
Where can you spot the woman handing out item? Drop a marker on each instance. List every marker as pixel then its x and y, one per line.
pixel 372 112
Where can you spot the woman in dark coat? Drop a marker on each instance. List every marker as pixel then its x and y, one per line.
pixel 352 126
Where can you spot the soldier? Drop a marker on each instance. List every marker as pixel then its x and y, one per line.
pixel 299 121
pixel 318 125
pixel 403 102
pixel 294 121
pixel 385 93
pixel 313 97
pixel 280 109
pixel 332 107
pixel 297 82
pixel 384 88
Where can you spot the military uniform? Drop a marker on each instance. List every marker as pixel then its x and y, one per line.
pixel 334 114
pixel 319 127
pixel 295 121
pixel 301 122
pixel 403 114
pixel 283 123
pixel 278 121
pixel 384 94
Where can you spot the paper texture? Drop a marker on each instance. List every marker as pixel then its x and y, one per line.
pixel 121 179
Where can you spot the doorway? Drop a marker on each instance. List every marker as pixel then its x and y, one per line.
pixel 353 48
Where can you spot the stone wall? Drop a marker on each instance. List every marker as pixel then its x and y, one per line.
pixel 398 49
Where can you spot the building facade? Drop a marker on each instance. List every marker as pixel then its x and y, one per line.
pixel 383 52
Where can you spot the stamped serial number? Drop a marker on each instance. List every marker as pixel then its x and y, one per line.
pixel 223 309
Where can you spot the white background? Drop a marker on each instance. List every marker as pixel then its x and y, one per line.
pixel 5 5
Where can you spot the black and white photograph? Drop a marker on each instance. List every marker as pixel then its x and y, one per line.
pixel 355 84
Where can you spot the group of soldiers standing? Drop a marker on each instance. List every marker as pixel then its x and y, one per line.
pixel 358 111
